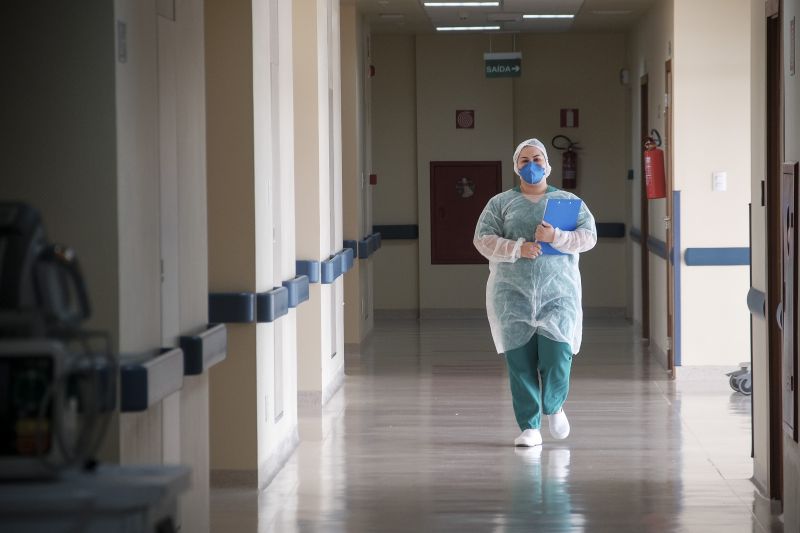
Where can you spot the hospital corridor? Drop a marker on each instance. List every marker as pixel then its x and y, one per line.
pixel 418 440
pixel 399 266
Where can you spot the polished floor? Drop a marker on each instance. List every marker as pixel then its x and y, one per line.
pixel 420 439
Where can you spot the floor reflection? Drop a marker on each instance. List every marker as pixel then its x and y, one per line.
pixel 420 439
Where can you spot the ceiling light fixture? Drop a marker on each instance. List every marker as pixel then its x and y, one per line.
pixel 462 4
pixel 467 28
pixel 548 16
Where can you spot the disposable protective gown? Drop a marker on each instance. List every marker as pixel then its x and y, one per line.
pixel 528 296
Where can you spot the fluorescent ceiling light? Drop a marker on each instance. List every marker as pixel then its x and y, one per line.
pixel 548 16
pixel 462 4
pixel 467 28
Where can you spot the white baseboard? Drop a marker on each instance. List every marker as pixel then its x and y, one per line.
pixel 258 479
pixel 704 372
pixel 277 459
pixel 658 355
pixel 333 385
pixel 314 398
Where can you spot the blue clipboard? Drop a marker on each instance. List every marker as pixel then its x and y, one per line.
pixel 561 214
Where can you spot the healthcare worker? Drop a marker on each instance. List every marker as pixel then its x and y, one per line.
pixel 534 301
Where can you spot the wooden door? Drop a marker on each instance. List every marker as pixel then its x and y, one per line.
pixel 459 192
pixel 774 248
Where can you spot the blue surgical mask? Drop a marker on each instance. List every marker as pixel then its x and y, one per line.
pixel 532 173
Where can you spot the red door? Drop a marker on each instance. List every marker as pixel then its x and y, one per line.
pixel 459 192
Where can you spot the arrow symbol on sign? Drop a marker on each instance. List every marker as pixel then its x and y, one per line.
pixel 516 68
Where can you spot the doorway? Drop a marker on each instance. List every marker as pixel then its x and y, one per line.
pixel 775 271
pixel 645 212
pixel 672 255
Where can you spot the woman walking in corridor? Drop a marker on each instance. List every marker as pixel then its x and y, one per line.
pixel 534 301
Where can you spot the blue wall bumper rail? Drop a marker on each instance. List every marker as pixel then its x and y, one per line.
pixel 757 302
pixel 336 265
pixel 310 269
pixel 204 350
pixel 346 259
pixel 231 307
pixel 369 245
pixel 717 256
pixel 397 231
pixel 353 245
pixel 657 246
pixel 331 269
pixel 298 290
pixel 610 230
pixel 636 235
pixel 272 304
pixel 146 379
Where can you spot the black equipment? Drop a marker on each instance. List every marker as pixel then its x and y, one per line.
pixel 42 291
pixel 57 391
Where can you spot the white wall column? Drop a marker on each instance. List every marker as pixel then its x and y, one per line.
pixel 251 216
pixel 356 190
pixel 318 184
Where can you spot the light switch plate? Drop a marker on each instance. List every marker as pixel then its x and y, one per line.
pixel 719 182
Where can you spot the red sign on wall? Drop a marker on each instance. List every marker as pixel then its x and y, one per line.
pixel 465 119
pixel 569 118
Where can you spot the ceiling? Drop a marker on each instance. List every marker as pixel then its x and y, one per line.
pixel 410 16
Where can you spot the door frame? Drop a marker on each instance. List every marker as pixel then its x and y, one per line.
pixel 672 255
pixel 774 141
pixel 644 131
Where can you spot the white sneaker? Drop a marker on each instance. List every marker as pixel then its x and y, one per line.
pixel 529 437
pixel 558 424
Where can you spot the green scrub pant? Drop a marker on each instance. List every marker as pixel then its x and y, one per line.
pixel 539 357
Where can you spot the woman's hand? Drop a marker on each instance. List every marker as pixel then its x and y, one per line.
pixel 530 250
pixel 545 232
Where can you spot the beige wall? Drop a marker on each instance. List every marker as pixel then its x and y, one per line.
pixel 358 317
pixel 60 146
pixel 318 185
pixel 161 129
pixel 420 75
pixel 444 85
pixel 249 81
pixel 99 191
pixel 713 61
pixel 395 156
pixel 231 226
pixel 648 48
pixel 75 186
pixel 592 85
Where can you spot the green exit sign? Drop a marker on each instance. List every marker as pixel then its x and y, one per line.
pixel 503 65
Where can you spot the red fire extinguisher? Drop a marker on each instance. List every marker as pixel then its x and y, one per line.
pixel 569 160
pixel 654 173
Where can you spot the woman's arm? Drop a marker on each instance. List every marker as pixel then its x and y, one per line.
pixel 582 239
pixel 489 240
pixel 496 248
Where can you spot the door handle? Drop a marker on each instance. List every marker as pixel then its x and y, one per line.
pixel 779 315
